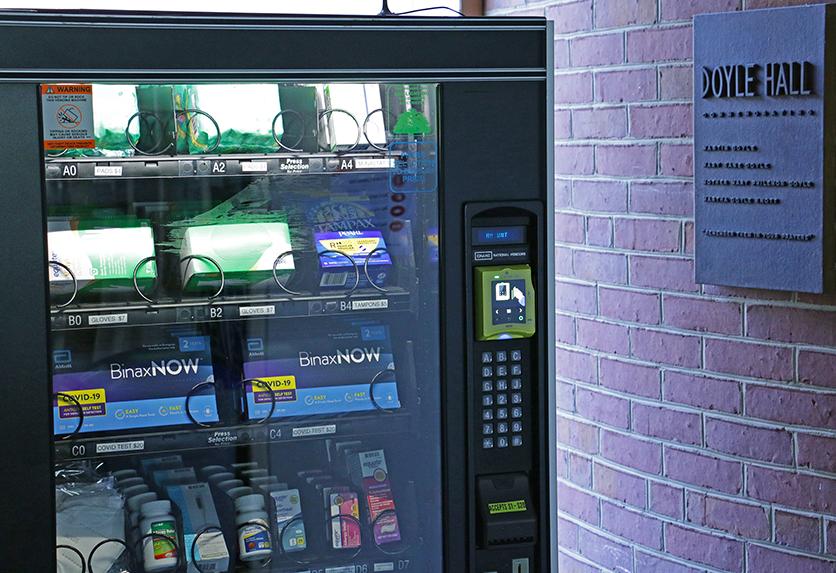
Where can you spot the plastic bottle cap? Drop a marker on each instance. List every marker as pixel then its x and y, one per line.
pixel 230 483
pixel 237 492
pixel 212 470
pixel 130 492
pixel 245 466
pixel 124 474
pixel 129 482
pixel 136 501
pixel 159 507
pixel 252 502
pixel 215 479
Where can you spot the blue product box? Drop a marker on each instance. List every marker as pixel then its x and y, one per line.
pixel 365 247
pixel 320 371
pixel 124 384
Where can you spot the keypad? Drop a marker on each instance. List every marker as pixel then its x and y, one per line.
pixel 502 399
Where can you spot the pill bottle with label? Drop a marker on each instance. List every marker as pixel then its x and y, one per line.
pixel 135 502
pixel 254 542
pixel 158 552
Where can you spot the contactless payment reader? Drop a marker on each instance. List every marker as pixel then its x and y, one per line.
pixel 505 302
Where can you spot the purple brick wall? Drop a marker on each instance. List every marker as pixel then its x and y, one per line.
pixel 696 423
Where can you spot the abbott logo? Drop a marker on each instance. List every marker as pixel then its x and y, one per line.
pixel 62 358
pixel 353 356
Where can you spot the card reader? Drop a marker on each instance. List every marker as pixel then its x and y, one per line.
pixel 505 305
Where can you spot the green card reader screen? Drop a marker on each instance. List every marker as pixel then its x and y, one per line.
pixel 505 302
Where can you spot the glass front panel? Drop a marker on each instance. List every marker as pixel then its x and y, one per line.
pixel 245 326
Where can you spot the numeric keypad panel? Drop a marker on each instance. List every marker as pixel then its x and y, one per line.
pixel 501 385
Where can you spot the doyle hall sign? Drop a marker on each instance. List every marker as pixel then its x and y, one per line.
pixel 764 158
pixel 774 79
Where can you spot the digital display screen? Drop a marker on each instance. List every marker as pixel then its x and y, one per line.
pixel 508 303
pixel 499 235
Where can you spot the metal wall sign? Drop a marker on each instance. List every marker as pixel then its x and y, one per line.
pixel 764 165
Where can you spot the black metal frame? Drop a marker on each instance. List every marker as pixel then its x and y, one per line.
pixel 510 59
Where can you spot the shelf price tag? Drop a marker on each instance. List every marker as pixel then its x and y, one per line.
pixel 67 111
pixel 254 167
pixel 266 310
pixel 107 171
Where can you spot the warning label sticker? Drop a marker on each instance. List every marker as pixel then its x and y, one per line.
pixel 67 116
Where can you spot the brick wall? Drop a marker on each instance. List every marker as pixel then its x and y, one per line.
pixel 697 424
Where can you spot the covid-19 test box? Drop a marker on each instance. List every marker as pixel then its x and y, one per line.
pixel 129 381
pixel 320 371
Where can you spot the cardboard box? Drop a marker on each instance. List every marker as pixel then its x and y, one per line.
pixel 198 510
pixel 319 371
pixel 288 511
pixel 105 257
pixel 245 251
pixel 131 382
pixel 368 470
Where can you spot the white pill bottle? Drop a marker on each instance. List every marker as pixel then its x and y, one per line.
pixel 254 543
pixel 158 552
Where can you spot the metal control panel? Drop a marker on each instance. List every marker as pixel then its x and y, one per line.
pixel 506 380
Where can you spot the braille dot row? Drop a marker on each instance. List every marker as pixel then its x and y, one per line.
pixel 767 113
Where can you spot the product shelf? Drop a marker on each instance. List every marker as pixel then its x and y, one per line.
pixel 237 165
pixel 196 438
pixel 104 315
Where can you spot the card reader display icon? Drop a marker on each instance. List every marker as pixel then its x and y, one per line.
pixel 508 301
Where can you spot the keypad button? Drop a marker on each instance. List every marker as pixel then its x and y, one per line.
pixel 487 400
pixel 516 398
pixel 502 427
pixel 487 429
pixel 516 383
pixel 487 371
pixel 502 413
pixel 516 412
pixel 516 427
pixel 487 358
pixel 516 355
pixel 501 399
pixel 501 385
pixel 516 441
pixel 487 443
pixel 487 386
pixel 516 370
pixel 501 356
pixel 487 414
pixel 502 370
pixel 502 442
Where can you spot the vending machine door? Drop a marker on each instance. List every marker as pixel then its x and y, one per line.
pixel 244 319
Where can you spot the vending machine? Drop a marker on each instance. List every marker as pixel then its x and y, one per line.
pixel 277 294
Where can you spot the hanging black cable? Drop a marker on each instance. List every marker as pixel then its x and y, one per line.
pixel 385 11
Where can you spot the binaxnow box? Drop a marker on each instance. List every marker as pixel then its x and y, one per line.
pixel 246 252
pixel 132 383
pixel 325 370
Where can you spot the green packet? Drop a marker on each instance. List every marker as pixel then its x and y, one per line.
pixel 245 251
pixel 102 257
